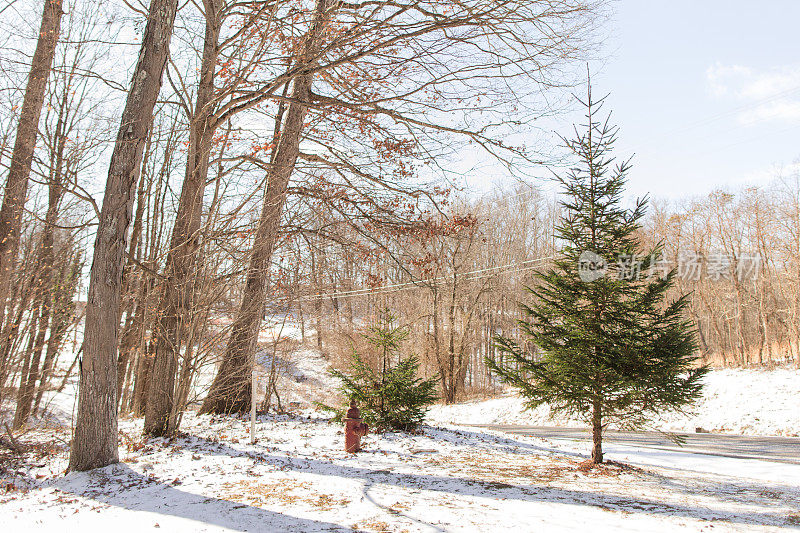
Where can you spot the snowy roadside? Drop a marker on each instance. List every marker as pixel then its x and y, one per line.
pixel 741 401
pixel 297 478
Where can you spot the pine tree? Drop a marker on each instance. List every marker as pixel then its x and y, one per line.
pixel 609 346
pixel 392 396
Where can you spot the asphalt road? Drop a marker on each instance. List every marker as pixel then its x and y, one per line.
pixel 774 449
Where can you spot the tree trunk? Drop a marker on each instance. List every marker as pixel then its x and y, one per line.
pixel 175 306
pixel 315 273
pixel 27 385
pixel 440 361
pixel 18 304
pixel 26 365
pixel 597 432
pixel 129 291
pixel 40 323
pixel 230 391
pixel 60 272
pixel 27 131
pixel 134 347
pixel 144 367
pixel 452 369
pixel 126 344
pixel 94 444
pixel 58 328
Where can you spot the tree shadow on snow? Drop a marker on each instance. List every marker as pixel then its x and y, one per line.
pixel 500 442
pixel 120 486
pixel 741 490
pixel 494 489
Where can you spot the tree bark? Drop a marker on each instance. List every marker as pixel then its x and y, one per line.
pixel 27 131
pixel 21 297
pixel 144 367
pixel 597 432
pixel 42 308
pixel 61 319
pixel 133 344
pixel 129 290
pixel 43 284
pixel 94 444
pixel 315 270
pixel 27 363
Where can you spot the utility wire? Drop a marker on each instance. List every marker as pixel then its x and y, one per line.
pixel 522 266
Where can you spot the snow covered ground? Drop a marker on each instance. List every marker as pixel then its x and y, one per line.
pixel 298 478
pixel 741 401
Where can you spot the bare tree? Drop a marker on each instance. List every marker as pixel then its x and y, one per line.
pixel 231 389
pixel 27 130
pixel 95 441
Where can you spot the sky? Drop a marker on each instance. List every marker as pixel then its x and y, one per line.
pixel 706 93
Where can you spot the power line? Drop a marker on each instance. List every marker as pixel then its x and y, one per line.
pixel 521 266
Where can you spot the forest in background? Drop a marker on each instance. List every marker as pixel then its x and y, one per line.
pixel 459 285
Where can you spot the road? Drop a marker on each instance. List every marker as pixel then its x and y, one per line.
pixel 774 449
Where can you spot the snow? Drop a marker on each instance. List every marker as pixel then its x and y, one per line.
pixel 298 478
pixel 740 401
pixel 304 378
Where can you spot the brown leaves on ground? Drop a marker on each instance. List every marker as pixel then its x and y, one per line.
pixel 285 491
pixel 608 468
pixel 133 442
pixel 492 468
pixel 18 463
pixel 376 526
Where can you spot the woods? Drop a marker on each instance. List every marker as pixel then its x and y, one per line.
pixel 302 162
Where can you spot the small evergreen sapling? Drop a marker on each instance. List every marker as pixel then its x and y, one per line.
pixel 610 348
pixel 392 396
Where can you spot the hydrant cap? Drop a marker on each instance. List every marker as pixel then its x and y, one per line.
pixel 353 412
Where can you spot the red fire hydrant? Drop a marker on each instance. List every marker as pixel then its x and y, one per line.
pixel 354 429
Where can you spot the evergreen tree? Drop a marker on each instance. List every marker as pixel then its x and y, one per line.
pixel 609 346
pixel 391 396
